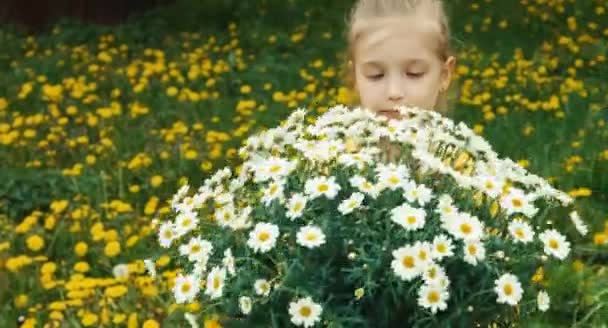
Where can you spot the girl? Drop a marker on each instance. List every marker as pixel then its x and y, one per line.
pixel 399 54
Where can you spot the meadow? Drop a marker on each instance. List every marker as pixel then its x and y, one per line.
pixel 101 125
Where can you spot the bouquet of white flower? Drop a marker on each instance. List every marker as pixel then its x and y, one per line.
pixel 357 220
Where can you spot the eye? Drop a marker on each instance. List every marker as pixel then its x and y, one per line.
pixel 375 76
pixel 415 75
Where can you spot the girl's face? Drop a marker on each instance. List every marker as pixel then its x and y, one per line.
pixel 397 63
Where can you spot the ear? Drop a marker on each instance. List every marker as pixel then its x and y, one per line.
pixel 447 72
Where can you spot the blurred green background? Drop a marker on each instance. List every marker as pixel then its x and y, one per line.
pixel 101 124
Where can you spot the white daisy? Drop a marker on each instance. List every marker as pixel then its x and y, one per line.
pixel 242 220
pixel 274 168
pixel 185 222
pixel 433 297
pixel 245 304
pixel 446 208
pixel 392 176
pixel 215 282
pixel 543 301
pixel 516 201
pixel 508 289
pixel 423 254
pixel 408 217
pixel 578 223
pixel 263 237
pixel 351 203
pixel 521 231
pixel 262 287
pixel 555 243
pixel 186 288
pixel 197 249
pixel 318 186
pixel 442 247
pixel 491 185
pixel 120 271
pixel 224 215
pixel 405 263
pixel 433 274
pixel 474 251
pixel 166 234
pixel 365 186
pixel 296 205
pixel 150 267
pixel 310 236
pixel 228 262
pixel 305 312
pixel 183 190
pixel 465 226
pixel 414 193
pixel 273 191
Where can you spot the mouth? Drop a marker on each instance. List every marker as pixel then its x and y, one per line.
pixel 390 113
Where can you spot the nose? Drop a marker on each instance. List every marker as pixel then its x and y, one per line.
pixel 395 89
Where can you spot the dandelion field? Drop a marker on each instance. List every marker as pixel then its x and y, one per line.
pixel 99 126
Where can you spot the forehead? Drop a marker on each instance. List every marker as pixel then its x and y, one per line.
pixel 403 39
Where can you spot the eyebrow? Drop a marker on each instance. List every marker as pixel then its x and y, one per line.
pixel 409 62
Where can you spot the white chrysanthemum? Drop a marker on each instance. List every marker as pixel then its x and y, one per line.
pixel 166 234
pixel 245 304
pixel 197 249
pixel 491 185
pixel 296 205
pixel 465 226
pixel 305 312
pixel 433 274
pixel 555 243
pixel 310 236
pixel 150 267
pixel 263 237
pixel 228 262
pixel 433 297
pixel 179 195
pixel 242 220
pixel 521 231
pixel 185 222
pixel 186 288
pixel 121 271
pixel 273 191
pixel 262 287
pixel 215 282
pixel 516 201
pixel 414 193
pixel 405 263
pixel 392 176
pixel 508 289
pixel 348 205
pixel 322 186
pixel 446 209
pixel 408 217
pixel 273 168
pixel 224 215
pixel 424 253
pixel 365 186
pixel 474 252
pixel 578 223
pixel 442 247
pixel 359 159
pixel 543 301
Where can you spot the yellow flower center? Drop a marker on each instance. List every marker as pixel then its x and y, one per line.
pixel 433 297
pixel 517 202
pixel 442 248
pixel 186 287
pixel 216 282
pixel 305 311
pixel 275 168
pixel 196 248
pixel 311 236
pixel 472 249
pixel 466 228
pixel 508 289
pixel 408 262
pixel 553 244
pixel 298 207
pixel 519 232
pixel 323 187
pixel 263 236
pixel 411 219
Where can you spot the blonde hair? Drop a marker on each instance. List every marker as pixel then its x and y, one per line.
pixel 369 9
